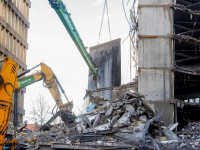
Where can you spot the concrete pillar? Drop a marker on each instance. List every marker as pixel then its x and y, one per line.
pixel 155 52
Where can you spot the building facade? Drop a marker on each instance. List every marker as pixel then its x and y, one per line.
pixel 14 24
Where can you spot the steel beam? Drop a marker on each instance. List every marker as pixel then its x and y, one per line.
pixel 182 60
pixel 187 50
pixel 184 1
pixel 191 5
pixel 182 27
pixel 188 32
pixel 80 147
pixel 186 22
pixel 183 55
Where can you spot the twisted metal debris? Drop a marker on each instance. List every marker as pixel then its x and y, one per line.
pixel 186 38
pixel 187 10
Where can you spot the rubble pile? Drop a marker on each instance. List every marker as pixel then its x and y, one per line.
pixel 126 119
pixel 191 132
pixel 127 122
pixel 35 138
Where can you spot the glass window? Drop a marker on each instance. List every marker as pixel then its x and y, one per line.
pixel 5 38
pixel 7 15
pixel 4 7
pixel 15 21
pixel 13 45
pixel 17 48
pixel 191 100
pixel 19 4
pixel 0 10
pixel 196 100
pixel 9 43
pixel 11 15
pixel 18 25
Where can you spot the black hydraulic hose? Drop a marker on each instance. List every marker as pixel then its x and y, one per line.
pixel 1 80
pixel 27 71
pixel 6 89
pixel 53 110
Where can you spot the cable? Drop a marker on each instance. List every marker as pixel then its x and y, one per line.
pixel 108 18
pixel 102 21
pixel 1 80
pixel 105 6
pixel 53 110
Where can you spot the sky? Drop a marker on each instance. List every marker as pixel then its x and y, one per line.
pixel 49 42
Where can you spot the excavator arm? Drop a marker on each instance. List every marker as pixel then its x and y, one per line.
pixel 65 17
pixel 50 81
pixel 8 83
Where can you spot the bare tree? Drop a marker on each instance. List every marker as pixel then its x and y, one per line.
pixel 39 110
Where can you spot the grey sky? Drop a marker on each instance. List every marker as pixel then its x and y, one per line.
pixel 49 42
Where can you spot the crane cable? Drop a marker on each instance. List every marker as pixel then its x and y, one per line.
pixel 105 6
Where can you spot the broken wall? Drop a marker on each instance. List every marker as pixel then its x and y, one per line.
pixel 155 55
pixel 107 57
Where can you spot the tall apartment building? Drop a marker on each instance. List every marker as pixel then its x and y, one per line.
pixel 14 24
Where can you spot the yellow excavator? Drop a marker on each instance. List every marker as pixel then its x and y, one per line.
pixel 10 82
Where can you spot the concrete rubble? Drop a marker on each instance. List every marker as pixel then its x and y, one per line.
pixel 127 122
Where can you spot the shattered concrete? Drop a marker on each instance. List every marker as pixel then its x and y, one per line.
pixel 126 122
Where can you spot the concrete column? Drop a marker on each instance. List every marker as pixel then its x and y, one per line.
pixel 155 52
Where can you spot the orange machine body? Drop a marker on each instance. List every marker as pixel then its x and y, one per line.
pixel 8 83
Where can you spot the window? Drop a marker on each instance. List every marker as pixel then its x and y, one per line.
pixel 18 25
pixel 191 100
pixel 4 7
pixel 11 15
pixel 16 3
pixel 0 10
pixel 19 4
pixel 17 48
pixel 13 45
pixel 196 100
pixel 9 41
pixel 7 15
pixel 15 21
pixel 2 28
pixel 5 38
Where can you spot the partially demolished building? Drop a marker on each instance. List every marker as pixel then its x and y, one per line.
pixel 168 51
pixel 166 40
